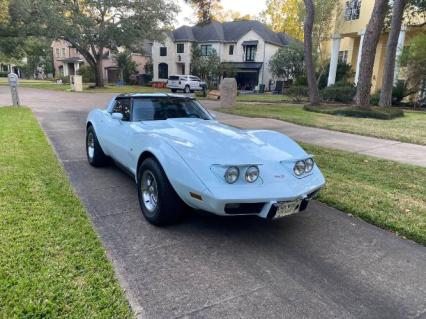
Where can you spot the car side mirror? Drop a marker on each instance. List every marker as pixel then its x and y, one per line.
pixel 117 116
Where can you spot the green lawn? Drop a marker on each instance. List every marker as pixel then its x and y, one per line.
pixel 411 128
pixel 52 263
pixel 49 85
pixel 265 98
pixel 385 193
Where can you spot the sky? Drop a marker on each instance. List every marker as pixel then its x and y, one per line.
pixel 252 7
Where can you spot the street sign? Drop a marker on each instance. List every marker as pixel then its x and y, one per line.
pixel 13 83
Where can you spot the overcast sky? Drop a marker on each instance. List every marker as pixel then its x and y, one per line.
pixel 252 7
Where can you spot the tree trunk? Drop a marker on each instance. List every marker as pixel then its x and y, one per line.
pixel 314 98
pixel 391 47
pixel 99 74
pixel 371 38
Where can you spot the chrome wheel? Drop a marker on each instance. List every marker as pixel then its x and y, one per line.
pixel 90 145
pixel 149 191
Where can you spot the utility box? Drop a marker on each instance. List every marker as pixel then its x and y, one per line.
pixel 228 92
pixel 76 82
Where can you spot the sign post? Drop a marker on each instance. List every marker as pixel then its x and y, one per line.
pixel 13 83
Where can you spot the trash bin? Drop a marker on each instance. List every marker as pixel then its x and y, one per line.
pixel 261 88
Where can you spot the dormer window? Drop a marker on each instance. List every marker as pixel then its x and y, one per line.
pixel 352 9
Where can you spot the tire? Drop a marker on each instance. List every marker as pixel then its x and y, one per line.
pixel 187 89
pixel 95 154
pixel 173 90
pixel 159 202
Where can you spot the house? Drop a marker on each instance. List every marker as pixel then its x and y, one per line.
pixel 67 61
pixel 246 46
pixel 346 42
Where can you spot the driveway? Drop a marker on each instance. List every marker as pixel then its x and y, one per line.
pixel 318 264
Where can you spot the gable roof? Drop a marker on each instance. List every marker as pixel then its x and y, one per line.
pixel 228 32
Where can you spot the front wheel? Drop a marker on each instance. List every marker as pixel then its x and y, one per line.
pixel 187 89
pixel 158 200
pixel 94 152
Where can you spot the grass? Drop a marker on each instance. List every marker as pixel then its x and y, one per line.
pixel 49 85
pixel 266 98
pixel 385 193
pixel 411 128
pixel 52 263
pixel 374 112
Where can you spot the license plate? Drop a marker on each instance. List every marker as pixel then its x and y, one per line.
pixel 288 208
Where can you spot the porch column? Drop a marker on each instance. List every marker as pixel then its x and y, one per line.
pixel 358 59
pixel 76 66
pixel 65 69
pixel 399 49
pixel 335 46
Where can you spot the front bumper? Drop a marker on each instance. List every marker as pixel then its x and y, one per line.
pixel 261 205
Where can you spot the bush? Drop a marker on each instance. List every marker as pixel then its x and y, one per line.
pixel 375 98
pixel 339 93
pixel 301 81
pixel 87 73
pixel 398 93
pixel 3 74
pixel 343 74
pixel 374 112
pixel 297 92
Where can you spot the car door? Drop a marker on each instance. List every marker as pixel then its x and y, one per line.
pixel 120 132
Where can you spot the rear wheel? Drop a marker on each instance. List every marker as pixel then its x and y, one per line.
pixel 94 152
pixel 158 200
pixel 187 89
pixel 174 90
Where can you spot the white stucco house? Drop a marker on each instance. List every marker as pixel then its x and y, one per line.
pixel 245 45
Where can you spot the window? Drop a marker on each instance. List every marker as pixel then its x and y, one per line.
pixel 352 9
pixel 163 71
pixel 180 48
pixel 163 51
pixel 63 52
pixel 343 56
pixel 122 106
pixel 166 108
pixel 250 53
pixel 206 49
pixel 231 49
pixel 58 52
pixel 194 78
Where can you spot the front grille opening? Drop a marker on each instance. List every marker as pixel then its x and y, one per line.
pixel 243 208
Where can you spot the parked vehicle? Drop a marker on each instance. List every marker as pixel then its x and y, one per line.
pixel 180 156
pixel 186 83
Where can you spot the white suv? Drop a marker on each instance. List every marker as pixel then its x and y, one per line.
pixel 187 83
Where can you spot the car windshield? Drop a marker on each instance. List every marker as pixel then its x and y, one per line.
pixel 154 109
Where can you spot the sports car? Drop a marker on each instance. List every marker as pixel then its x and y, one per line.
pixel 180 156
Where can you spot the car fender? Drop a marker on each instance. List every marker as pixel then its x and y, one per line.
pixel 96 118
pixel 180 175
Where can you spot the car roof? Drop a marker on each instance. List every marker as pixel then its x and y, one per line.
pixel 157 95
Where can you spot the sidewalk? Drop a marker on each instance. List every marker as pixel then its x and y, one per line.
pixel 391 150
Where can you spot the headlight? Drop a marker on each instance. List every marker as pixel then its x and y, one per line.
pixel 252 173
pixel 299 168
pixel 232 174
pixel 309 165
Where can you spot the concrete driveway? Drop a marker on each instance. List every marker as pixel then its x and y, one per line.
pixel 318 264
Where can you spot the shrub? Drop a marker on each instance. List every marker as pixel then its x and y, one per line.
pixel 3 74
pixel 297 92
pixel 343 74
pixel 374 112
pixel 87 73
pixel 398 93
pixel 301 81
pixel 375 98
pixel 339 93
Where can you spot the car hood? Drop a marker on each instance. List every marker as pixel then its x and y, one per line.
pixel 215 143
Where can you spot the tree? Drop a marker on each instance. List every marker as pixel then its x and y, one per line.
pixel 4 11
pixel 285 16
pixel 414 57
pixel 93 26
pixel 391 47
pixel 314 98
pixel 208 68
pixel 288 62
pixel 371 38
pixel 126 65
pixel 204 9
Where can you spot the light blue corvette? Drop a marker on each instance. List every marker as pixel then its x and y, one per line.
pixel 181 156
